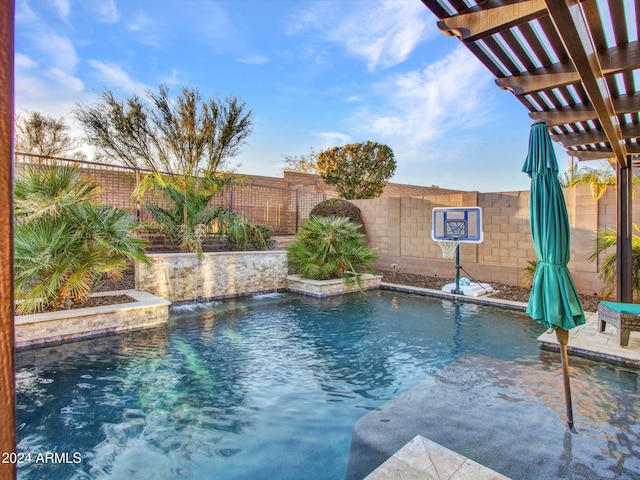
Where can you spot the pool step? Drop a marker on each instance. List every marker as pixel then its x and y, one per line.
pixel 422 459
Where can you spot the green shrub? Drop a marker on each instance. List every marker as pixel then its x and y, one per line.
pixel 266 233
pixel 243 235
pixel 336 207
pixel 64 241
pixel 330 247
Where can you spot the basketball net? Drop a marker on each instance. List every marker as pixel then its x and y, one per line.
pixel 448 247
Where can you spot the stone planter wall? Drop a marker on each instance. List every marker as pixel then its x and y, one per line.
pixel 328 288
pixel 54 327
pixel 185 278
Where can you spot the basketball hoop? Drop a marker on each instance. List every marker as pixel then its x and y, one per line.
pixel 448 247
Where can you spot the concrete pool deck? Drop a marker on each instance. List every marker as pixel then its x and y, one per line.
pixel 584 341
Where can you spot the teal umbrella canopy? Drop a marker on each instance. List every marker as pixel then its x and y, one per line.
pixel 554 299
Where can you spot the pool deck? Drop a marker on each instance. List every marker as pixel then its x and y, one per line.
pixel 584 341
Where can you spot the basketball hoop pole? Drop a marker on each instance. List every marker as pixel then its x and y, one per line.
pixel 457 291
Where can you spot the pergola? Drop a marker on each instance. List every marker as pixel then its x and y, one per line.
pixel 572 64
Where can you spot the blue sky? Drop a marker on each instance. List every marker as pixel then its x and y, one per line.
pixel 315 73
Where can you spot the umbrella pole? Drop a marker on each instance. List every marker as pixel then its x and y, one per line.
pixel 563 337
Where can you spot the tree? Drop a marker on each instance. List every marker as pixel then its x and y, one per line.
pixel 302 163
pixel 189 219
pixel 358 170
pixel 64 241
pixel 44 135
pixel 598 178
pixel 186 135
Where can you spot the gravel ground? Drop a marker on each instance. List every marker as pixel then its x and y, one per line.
pixel 100 301
pixel 505 292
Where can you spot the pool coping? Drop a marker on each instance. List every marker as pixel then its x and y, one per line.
pixel 43 329
pixel 482 300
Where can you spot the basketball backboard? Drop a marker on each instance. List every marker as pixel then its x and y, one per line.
pixel 463 224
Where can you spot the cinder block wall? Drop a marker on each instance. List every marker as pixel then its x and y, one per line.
pixel 400 230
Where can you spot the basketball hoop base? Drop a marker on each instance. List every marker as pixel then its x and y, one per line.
pixel 472 290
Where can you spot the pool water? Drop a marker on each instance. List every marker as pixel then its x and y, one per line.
pixel 268 387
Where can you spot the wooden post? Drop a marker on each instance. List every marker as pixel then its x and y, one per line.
pixel 624 284
pixel 7 363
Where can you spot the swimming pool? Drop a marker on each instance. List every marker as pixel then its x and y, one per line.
pixel 270 387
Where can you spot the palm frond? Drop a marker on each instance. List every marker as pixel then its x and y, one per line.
pixel 330 247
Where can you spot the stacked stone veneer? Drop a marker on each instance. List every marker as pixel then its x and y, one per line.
pixel 329 288
pixel 54 327
pixel 185 277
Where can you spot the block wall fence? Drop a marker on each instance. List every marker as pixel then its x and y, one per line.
pixel 280 202
pixel 399 222
pixel 400 230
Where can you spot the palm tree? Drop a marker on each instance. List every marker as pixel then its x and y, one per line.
pixel 330 247
pixel 606 239
pixel 189 219
pixel 64 241
pixel 598 178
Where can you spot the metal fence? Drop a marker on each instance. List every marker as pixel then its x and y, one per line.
pixel 281 207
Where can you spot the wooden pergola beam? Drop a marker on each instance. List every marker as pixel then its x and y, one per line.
pixel 614 60
pixel 574 31
pixel 583 112
pixel 558 75
pixel 490 19
pixel 565 115
pixel 623 58
pixel 593 136
pixel 601 153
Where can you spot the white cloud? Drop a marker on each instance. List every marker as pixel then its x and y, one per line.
pixel 24 62
pixel 333 139
pixel 114 76
pixel 382 32
pixel 63 8
pixel 107 11
pixel 51 92
pixel 141 22
pixel 64 79
pixel 24 13
pixel 59 50
pixel 254 59
pixel 421 107
pixel 174 79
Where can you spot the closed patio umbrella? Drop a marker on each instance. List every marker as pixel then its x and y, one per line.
pixel 554 299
